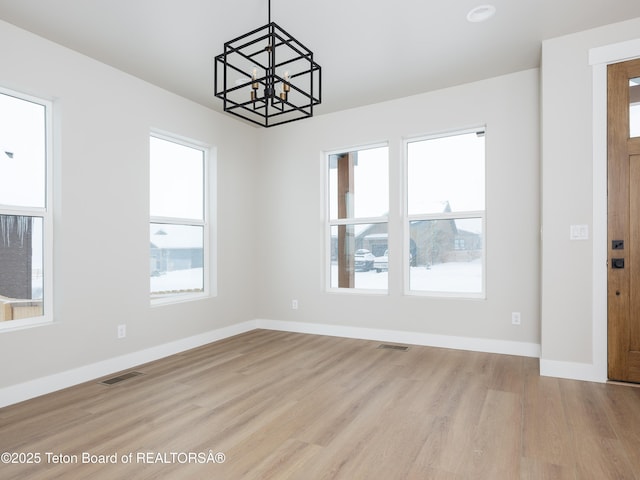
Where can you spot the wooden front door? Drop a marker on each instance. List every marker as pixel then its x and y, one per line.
pixel 624 221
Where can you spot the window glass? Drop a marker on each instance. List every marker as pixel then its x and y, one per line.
pixel 634 107
pixel 177 178
pixel 21 272
pixel 446 255
pixel 365 256
pixel 24 216
pixel 22 153
pixel 178 226
pixel 446 205
pixel 367 180
pixel 358 190
pixel 446 174
pixel 176 261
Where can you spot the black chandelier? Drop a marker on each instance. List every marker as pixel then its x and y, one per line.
pixel 267 77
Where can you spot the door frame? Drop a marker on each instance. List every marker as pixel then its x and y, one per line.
pixel 599 59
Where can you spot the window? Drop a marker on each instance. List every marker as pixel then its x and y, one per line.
pixel 446 214
pixel 634 107
pixel 178 229
pixel 358 218
pixel 25 219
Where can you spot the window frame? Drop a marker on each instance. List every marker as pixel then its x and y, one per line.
pixel 46 213
pixel 353 221
pixel 208 277
pixel 458 215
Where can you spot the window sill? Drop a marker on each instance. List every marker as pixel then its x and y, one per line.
pixel 179 298
pixel 24 323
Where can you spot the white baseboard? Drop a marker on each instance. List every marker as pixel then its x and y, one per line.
pixel 575 371
pixel 523 349
pixel 40 386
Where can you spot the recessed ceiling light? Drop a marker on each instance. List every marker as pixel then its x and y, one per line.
pixel 481 13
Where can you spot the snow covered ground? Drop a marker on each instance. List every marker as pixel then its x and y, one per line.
pixel 458 277
pixel 179 280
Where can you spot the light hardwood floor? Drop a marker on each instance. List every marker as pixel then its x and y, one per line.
pixel 292 406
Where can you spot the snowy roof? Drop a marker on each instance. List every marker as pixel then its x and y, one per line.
pixel 176 236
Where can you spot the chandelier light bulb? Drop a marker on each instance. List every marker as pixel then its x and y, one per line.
pixel 254 82
pixel 285 85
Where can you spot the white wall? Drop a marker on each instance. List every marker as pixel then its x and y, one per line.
pixel 573 337
pixel 103 118
pixel 292 224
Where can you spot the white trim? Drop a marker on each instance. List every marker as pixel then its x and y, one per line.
pixel 45 212
pixel 488 345
pixel 471 214
pixel 599 227
pixel 445 133
pixel 40 386
pixel 208 257
pixel 22 323
pixel 355 148
pixel 614 53
pixel 571 370
pixel 329 222
pixel 211 209
pixel 336 222
pixel 357 291
pixel 407 218
pixel 599 58
pixel 325 267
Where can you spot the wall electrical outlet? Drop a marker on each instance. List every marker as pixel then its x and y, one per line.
pixel 122 331
pixel 294 304
pixel 515 318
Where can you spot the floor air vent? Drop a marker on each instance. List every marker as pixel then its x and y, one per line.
pixel 394 347
pixel 120 378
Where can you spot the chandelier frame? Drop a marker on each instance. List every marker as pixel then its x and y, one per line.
pixel 267 77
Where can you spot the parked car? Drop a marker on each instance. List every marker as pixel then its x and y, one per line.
pixel 363 260
pixel 381 264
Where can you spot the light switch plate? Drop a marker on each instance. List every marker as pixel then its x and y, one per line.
pixel 579 232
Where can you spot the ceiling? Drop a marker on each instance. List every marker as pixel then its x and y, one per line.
pixel 370 51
